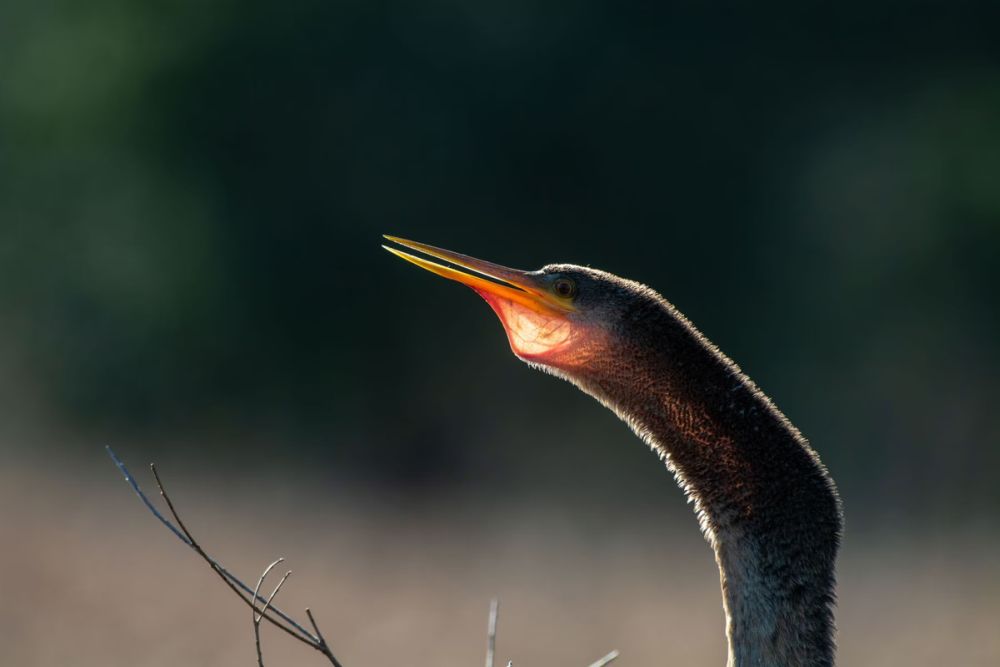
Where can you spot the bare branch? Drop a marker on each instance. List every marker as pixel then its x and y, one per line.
pixel 269 612
pixel 606 660
pixel 234 583
pixel 491 631
pixel 187 539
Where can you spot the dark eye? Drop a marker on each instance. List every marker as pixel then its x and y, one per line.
pixel 565 288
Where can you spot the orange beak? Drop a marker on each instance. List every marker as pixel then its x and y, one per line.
pixel 486 278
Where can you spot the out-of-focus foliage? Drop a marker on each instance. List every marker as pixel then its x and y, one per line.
pixel 191 197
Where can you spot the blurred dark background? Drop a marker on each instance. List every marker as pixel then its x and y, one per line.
pixel 192 196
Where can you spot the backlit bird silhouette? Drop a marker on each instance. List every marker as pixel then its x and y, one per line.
pixel 766 503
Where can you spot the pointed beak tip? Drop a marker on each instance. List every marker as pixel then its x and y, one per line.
pixel 403 255
pixel 484 277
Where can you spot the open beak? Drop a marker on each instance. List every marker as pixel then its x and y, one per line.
pixel 491 281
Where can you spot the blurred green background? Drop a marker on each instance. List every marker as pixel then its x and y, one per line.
pixel 192 196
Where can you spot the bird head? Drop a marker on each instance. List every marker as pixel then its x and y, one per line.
pixel 561 317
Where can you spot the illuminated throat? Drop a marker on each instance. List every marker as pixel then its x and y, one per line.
pixel 533 335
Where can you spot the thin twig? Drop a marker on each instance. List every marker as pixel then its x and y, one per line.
pixel 491 631
pixel 606 660
pixel 263 610
pixel 322 640
pixel 244 592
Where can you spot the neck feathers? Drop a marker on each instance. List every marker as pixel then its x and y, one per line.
pixel 766 503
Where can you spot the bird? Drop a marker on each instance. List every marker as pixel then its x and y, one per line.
pixel 765 502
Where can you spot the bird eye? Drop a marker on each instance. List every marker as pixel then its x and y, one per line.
pixel 565 288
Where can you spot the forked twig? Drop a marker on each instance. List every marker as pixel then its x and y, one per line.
pixel 263 610
pixel 269 612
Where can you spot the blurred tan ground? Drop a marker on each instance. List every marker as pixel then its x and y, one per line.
pixel 91 579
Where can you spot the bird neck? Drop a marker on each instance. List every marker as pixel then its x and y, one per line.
pixel 766 504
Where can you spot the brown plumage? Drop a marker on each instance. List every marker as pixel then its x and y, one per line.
pixel 766 504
